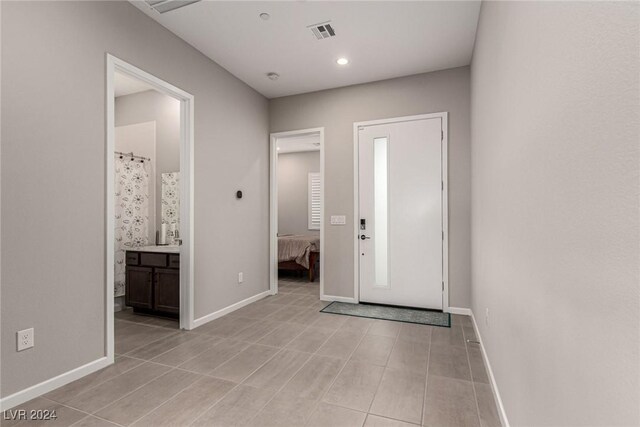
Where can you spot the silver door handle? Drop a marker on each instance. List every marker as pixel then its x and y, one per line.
pixel 363 237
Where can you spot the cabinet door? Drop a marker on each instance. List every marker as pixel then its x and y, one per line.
pixel 167 290
pixel 139 293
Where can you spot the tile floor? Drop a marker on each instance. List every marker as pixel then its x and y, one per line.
pixel 279 362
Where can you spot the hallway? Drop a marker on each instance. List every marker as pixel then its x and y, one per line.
pixel 280 362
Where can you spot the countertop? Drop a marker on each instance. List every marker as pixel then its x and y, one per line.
pixel 167 249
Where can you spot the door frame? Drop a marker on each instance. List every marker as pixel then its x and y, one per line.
pixel 443 116
pixel 114 64
pixel 273 205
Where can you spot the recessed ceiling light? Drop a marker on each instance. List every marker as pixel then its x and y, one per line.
pixel 273 76
pixel 342 61
pixel 265 16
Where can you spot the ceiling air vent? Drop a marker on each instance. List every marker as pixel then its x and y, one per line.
pixel 322 31
pixel 164 6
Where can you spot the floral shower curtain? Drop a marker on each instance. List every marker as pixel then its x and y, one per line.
pixel 171 202
pixel 132 212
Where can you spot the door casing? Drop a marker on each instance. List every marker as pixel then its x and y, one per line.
pixel 273 206
pixel 445 205
pixel 187 275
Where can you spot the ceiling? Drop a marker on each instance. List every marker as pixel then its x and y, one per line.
pixel 125 85
pixel 298 144
pixel 382 40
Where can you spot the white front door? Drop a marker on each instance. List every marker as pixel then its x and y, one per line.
pixel 400 213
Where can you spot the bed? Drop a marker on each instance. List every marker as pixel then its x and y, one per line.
pixel 298 253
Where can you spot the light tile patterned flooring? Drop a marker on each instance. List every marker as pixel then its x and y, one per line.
pixel 279 362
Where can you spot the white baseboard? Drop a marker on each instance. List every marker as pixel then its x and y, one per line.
pixel 233 307
pixel 338 299
pixel 492 379
pixel 460 310
pixel 53 383
pixel 77 373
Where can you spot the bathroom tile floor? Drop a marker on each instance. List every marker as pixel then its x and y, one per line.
pixel 279 362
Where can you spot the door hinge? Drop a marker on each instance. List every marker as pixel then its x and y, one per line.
pixel 442 182
pixel 442 234
pixel 441 135
pixel 443 286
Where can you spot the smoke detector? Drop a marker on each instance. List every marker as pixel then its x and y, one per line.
pixel 323 30
pixel 164 6
pixel 273 76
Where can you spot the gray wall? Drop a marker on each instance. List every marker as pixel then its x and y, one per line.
pixel 555 102
pixel 337 110
pixel 165 111
pixel 53 176
pixel 293 190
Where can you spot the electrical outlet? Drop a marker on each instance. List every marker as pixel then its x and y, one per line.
pixel 25 339
pixel 240 277
pixel 486 316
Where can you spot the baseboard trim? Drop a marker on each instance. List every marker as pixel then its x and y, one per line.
pixel 91 367
pixel 494 386
pixel 233 307
pixel 338 299
pixel 52 383
pixel 459 310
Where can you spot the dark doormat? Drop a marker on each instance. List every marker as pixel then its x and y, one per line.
pixel 385 312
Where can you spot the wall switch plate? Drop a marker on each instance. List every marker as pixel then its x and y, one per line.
pixel 338 219
pixel 25 339
pixel 240 277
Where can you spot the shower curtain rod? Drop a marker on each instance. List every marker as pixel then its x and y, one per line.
pixel 131 155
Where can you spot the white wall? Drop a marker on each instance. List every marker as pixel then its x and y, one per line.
pixel 555 149
pixel 337 110
pixel 293 191
pixel 165 111
pixel 53 176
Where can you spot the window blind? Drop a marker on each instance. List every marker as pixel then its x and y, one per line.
pixel 314 201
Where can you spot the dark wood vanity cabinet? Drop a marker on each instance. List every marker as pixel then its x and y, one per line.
pixel 166 288
pixel 139 282
pixel 153 282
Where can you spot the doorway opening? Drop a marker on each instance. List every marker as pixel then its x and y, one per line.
pixel 149 204
pixel 401 212
pixel 297 211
